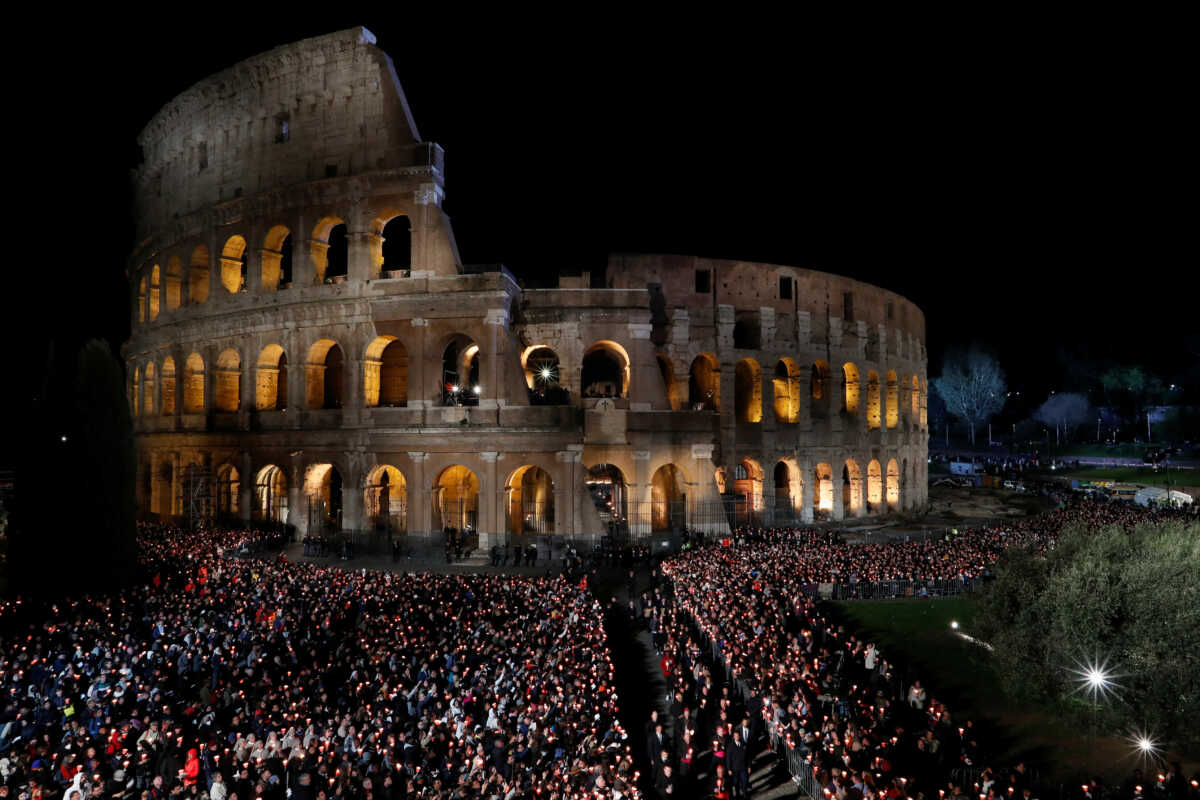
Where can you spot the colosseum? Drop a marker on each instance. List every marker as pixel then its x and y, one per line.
pixel 308 348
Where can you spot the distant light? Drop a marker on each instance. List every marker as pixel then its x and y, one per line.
pixel 454 388
pixel 954 624
pixel 546 374
pixel 64 437
pixel 478 389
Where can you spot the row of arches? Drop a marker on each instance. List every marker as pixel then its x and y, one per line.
pixel 388 242
pixel 785 495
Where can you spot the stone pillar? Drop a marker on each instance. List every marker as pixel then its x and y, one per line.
pixel 352 503
pixel 490 526
pixel 176 503
pixel 566 493
pixel 246 488
pixel 706 506
pixel 296 515
pixel 839 506
pixel 641 494
pixel 423 522
pixel 492 373
pixel 808 476
pixel 643 372
pixel 360 265
pixel 419 395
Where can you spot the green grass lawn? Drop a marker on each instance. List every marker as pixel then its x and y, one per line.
pixel 1141 475
pixel 917 633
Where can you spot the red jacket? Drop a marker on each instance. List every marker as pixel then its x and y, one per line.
pixel 191 768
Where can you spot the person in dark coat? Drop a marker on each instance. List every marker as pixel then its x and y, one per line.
pixel 735 762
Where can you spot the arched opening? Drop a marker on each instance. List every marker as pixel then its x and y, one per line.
pixel 271 494
pixel 748 391
pixel 153 298
pixel 168 386
pixel 277 259
pixel 850 392
pixel 789 492
pixel 606 484
pixel 787 391
pixel 874 418
pixel 460 372
pixel 323 375
pixel 228 394
pixel 851 488
pixel 329 249
pixel 542 376
pixel 193 384
pixel 233 264
pixel 704 383
pixel 271 383
pixel 148 390
pixel 668 499
pixel 915 404
pixel 823 489
pixel 893 485
pixel 142 299
pixel 385 373
pixel 323 490
pixel 748 485
pixel 456 499
pixel 893 399
pixel 721 479
pixel 529 501
pixel 173 283
pixel 605 370
pixel 198 275
pixel 228 487
pixel 135 396
pixel 874 485
pixel 667 372
pixel 385 500
pixel 396 247
pixel 819 385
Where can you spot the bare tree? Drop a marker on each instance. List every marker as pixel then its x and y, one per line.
pixel 1064 411
pixel 972 386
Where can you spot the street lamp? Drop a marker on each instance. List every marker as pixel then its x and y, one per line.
pixel 1098 680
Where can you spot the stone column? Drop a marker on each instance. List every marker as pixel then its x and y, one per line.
pixel 360 264
pixel 566 492
pixel 418 392
pixel 296 515
pixel 493 373
pixel 423 521
pixel 643 372
pixel 489 501
pixel 246 488
pixel 176 503
pixel 707 502
pixel 641 494
pixel 808 476
pixel 839 506
pixel 352 500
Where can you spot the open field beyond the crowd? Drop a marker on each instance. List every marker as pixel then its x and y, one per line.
pixel 1182 479
pixel 916 635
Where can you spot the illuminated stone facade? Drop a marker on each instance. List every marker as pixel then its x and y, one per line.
pixel 308 347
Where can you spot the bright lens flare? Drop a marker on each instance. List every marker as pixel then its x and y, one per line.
pixel 1097 679
pixel 1144 747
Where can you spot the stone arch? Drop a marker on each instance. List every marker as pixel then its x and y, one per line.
pixel 667 371
pixel 789 492
pixel 329 247
pixel 227 395
pixel 874 485
pixel 385 373
pixel 874 415
pixel 604 371
pixel 173 284
pixel 819 389
pixel 233 264
pixel 271 494
pixel 323 375
pixel 271 380
pixel 153 298
pixel 543 375
pixel 850 379
pixel 228 489
pixel 168 386
pixel 323 485
pixel 193 384
pixel 606 484
pixel 391 244
pixel 141 300
pixel 456 499
pixel 893 485
pixel 748 484
pixel 529 501
pixel 787 391
pixel 461 369
pixel 823 488
pixel 704 383
pixel 148 389
pixel 385 499
pixel 893 399
pixel 668 498
pixel 198 275
pixel 747 395
pixel 276 258
pixel 852 489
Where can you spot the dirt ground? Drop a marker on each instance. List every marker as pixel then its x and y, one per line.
pixel 952 507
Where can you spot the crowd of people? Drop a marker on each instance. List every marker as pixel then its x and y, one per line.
pixel 827 699
pixel 261 679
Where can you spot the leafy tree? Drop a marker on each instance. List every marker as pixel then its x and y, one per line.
pixel 1126 596
pixel 1064 411
pixel 972 386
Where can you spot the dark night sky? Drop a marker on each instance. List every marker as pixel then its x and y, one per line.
pixel 1025 187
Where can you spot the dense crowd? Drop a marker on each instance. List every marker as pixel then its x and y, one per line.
pixel 241 679
pixel 820 556
pixel 828 699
